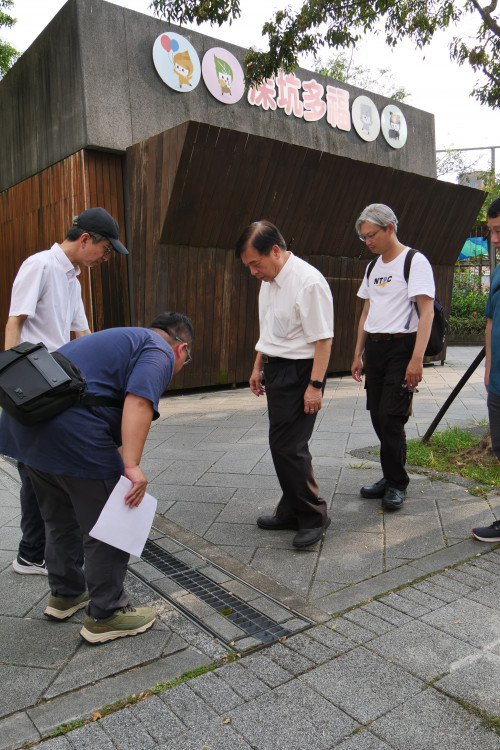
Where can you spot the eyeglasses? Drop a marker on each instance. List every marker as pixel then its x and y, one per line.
pixel 369 237
pixel 189 357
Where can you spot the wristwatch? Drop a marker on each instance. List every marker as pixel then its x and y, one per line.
pixel 316 383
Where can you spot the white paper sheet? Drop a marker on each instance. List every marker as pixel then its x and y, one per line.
pixel 124 527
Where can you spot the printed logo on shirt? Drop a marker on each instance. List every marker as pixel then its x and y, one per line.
pixel 383 280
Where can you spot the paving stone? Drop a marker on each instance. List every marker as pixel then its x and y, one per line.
pixel 114 656
pixel 407 606
pixel 448 582
pixel 467 620
pixel 37 643
pixel 363 684
pixel 328 636
pixel 241 590
pixel 457 574
pixel 308 647
pixel 157 718
pixel 368 621
pixel 19 594
pixel 273 610
pixel 383 610
pixel 431 721
pixel 430 587
pixel 351 630
pixel 488 595
pixel 363 740
pixel 284 564
pixel 269 672
pixel 422 649
pixel 351 557
pixel 216 736
pixel 17 730
pixel 187 705
pixel 127 732
pixel 292 717
pixel 215 692
pixel 25 686
pixel 242 681
pixel 57 743
pixel 415 595
pixel 475 681
pixel 90 737
pixel 293 662
pixel 477 571
pixel 489 563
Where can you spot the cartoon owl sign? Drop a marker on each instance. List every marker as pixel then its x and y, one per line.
pixel 223 75
pixel 176 62
pixel 365 118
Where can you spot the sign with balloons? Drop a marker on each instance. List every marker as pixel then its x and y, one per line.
pixel 176 62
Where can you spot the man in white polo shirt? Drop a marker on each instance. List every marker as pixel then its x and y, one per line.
pixel 293 351
pixel 393 333
pixel 46 305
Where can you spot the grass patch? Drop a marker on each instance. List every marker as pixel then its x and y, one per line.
pixel 443 453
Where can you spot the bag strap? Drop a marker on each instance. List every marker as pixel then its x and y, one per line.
pixel 406 273
pixel 370 267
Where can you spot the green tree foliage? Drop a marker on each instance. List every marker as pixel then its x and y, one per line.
pixel 339 24
pixel 8 55
pixel 342 68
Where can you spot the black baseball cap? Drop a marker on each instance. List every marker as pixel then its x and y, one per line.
pixel 99 221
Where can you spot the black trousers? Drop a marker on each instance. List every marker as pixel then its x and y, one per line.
pixel 70 506
pixel 389 403
pixel 290 430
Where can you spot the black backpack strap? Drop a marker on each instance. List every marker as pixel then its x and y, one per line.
pixel 370 267
pixel 409 257
pixel 89 400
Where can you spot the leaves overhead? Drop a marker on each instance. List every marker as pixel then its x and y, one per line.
pixel 8 55
pixel 339 24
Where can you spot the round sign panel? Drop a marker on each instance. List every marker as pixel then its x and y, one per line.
pixel 223 75
pixel 365 118
pixel 394 127
pixel 176 62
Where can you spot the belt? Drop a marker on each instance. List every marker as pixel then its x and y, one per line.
pixel 389 336
pixel 267 359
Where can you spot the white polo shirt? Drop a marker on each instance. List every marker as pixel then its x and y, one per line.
pixel 295 311
pixel 47 290
pixel 391 308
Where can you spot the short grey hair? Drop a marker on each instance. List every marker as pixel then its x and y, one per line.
pixel 379 214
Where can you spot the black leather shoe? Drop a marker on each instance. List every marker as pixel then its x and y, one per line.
pixel 373 490
pixel 393 498
pixel 274 523
pixel 306 537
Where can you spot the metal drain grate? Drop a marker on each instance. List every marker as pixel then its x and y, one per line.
pixel 241 625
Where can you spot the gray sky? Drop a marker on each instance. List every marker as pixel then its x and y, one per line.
pixel 435 83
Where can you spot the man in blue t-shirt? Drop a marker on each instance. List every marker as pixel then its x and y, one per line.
pixel 492 365
pixel 75 459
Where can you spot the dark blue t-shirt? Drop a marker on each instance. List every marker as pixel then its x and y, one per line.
pixel 493 311
pixel 83 441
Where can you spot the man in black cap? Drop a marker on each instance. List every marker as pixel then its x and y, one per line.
pixel 46 305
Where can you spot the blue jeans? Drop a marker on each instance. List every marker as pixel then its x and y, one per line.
pixel 32 544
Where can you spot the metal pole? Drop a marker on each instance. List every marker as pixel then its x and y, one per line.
pixel 454 394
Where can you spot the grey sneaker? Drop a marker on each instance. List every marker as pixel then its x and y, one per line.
pixel 62 607
pixel 127 621
pixel 27 568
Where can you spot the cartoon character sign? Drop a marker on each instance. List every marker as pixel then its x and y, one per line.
pixel 365 118
pixel 223 75
pixel 176 62
pixel 394 127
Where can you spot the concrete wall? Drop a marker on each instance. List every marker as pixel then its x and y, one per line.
pixel 89 81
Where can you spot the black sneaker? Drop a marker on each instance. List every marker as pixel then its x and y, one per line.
pixel 488 533
pixel 26 568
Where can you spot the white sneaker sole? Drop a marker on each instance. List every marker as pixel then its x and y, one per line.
pixel 59 614
pixel 31 570
pixel 111 635
pixel 483 539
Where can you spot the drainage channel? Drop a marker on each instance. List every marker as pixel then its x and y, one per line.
pixel 237 614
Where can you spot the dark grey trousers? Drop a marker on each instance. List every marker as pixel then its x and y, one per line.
pixel 494 414
pixel 70 506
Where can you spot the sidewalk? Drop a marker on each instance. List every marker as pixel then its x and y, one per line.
pixel 416 668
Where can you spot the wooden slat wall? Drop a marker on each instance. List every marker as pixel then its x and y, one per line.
pixel 194 188
pixel 38 212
